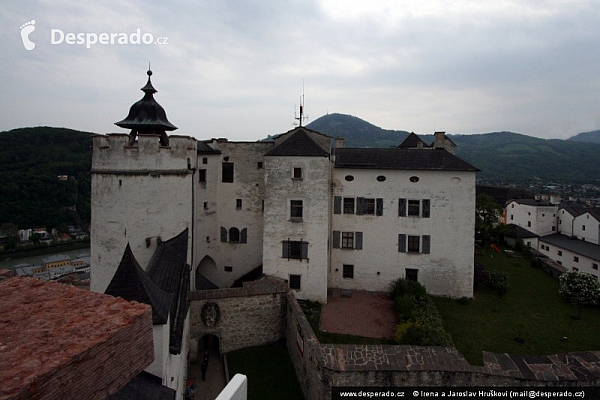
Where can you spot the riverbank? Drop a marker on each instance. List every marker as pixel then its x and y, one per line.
pixel 40 251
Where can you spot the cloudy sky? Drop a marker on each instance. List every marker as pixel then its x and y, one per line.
pixel 237 69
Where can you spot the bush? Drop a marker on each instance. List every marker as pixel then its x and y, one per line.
pixel 424 334
pixel 403 287
pixel 580 288
pixel 535 263
pixel 498 281
pixel 401 330
pixel 519 245
pixel 480 276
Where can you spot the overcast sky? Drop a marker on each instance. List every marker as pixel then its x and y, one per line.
pixel 236 69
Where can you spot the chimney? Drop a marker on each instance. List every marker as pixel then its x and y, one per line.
pixel 439 139
pixel 339 142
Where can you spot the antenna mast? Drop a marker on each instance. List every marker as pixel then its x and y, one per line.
pixel 301 117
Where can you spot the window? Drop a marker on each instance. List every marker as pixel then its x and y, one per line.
pixel 414 208
pixel 369 207
pixel 529 224
pixel 227 172
pixel 349 178
pixel 381 178
pixel 234 235
pixel 204 160
pixel 583 227
pixel 259 165
pixel 201 175
pixel 559 252
pixel 296 209
pixel 206 205
pixel 348 271
pixel 413 244
pixel 575 269
pixel 414 179
pixel 411 274
pixel 238 203
pixel 595 266
pixel 575 258
pixel 228 269
pixel 511 217
pixel 543 215
pixel 294 249
pixel 297 173
pixel 348 205
pixel 347 240
pixel 295 281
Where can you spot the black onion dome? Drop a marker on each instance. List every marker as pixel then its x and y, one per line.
pixel 147 115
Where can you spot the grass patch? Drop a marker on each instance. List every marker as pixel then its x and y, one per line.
pixel 269 370
pixel 532 318
pixel 312 311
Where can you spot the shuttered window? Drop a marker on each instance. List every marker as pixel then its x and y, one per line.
pixel 294 249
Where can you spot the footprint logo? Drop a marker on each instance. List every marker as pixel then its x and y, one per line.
pixel 26 29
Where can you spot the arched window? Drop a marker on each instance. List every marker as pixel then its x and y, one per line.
pixel 234 235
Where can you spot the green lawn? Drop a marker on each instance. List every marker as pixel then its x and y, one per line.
pixel 531 318
pixel 269 370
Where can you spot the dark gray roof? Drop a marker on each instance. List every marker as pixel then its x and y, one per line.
pixel 144 386
pixel 168 268
pixel 411 142
pixel 299 143
pixel 147 114
pixel 595 212
pixel 403 159
pixel 203 283
pixel 204 148
pixel 531 202
pixel 574 245
pixel 516 231
pixel 133 284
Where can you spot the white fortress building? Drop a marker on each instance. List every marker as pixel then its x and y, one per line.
pixel 169 208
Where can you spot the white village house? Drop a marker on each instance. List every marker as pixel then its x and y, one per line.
pixel 171 214
pixel 567 234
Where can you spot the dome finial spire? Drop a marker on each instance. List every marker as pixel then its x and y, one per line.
pixel 149 88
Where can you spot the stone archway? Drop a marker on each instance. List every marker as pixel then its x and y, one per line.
pixel 207 269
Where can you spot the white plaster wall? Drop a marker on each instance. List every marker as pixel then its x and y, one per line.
pixel 248 185
pixel 565 222
pixel 542 218
pixel 280 188
pixel 177 364
pixel 131 203
pixel 592 228
pixel 161 350
pixel 448 269
pixel 566 259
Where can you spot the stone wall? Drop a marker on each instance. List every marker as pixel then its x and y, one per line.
pixel 250 316
pixel 321 367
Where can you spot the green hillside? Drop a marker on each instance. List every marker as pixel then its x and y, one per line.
pixel 587 137
pixel 31 159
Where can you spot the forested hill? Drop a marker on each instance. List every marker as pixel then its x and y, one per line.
pixel 506 156
pixel 31 159
pixel 587 137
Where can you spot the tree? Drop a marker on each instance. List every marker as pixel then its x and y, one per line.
pixel 488 214
pixel 580 289
pixel 9 229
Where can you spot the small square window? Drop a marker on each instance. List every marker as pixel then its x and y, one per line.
pixel 575 258
pixel 228 269
pixel 595 266
pixel 575 269
pixel 413 244
pixel 297 173
pixel 296 209
pixel 348 205
pixel 347 240
pixel 411 274
pixel 348 271
pixel 295 282
pixel 204 160
pixel 259 165
pixel 414 208
pixel 559 252
pixel 238 203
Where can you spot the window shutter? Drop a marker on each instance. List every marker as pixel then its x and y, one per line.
pixel 304 250
pixel 336 239
pixel 379 207
pixel 358 237
pixel 402 243
pixel 244 235
pixel 360 205
pixel 426 205
pixel 223 234
pixel 285 249
pixel 402 207
pixel 426 243
pixel 337 205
